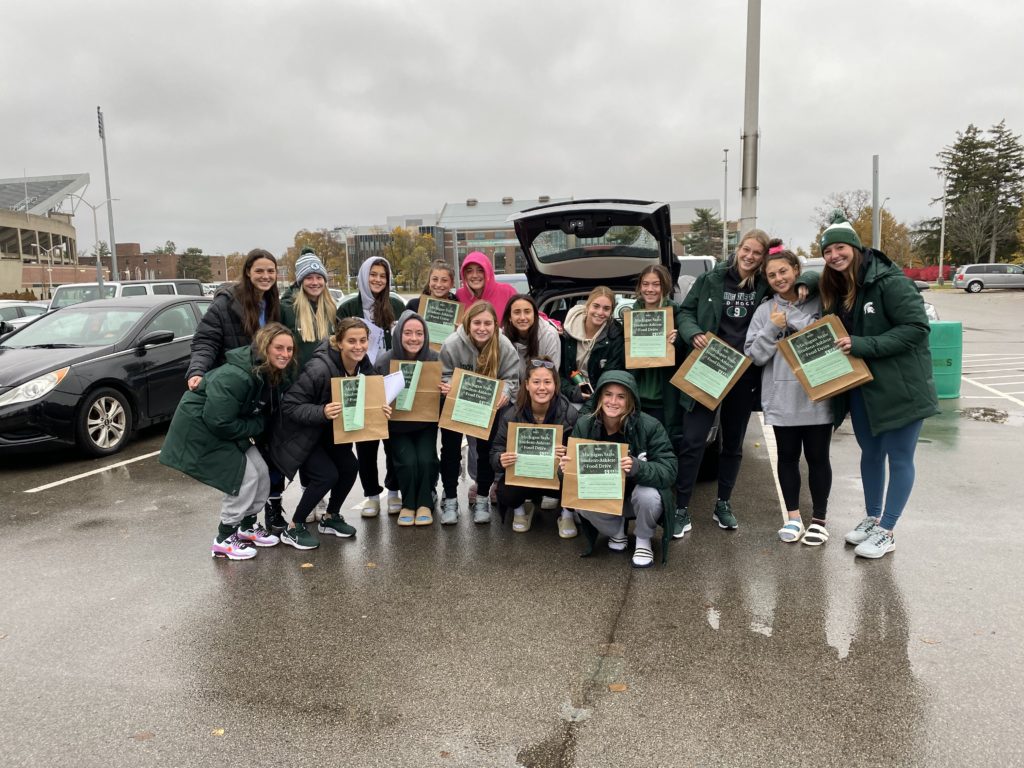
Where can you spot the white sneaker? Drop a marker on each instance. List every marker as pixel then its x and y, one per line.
pixel 860 534
pixel 878 544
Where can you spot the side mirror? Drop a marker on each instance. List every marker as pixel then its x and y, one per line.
pixel 153 338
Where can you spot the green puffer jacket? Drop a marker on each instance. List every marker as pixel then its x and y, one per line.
pixel 303 349
pixel 353 307
pixel 216 424
pixel 890 333
pixel 702 310
pixel 647 440
pixel 654 385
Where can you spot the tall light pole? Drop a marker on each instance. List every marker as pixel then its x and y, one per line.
pixel 48 252
pixel 96 234
pixel 942 232
pixel 725 205
pixel 748 172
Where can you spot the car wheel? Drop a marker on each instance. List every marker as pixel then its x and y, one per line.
pixel 104 422
pixel 974 286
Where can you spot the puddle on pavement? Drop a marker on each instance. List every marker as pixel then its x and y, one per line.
pixel 990 415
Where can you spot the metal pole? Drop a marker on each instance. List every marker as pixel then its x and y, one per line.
pixel 876 224
pixel 725 206
pixel 942 231
pixel 748 184
pixel 110 197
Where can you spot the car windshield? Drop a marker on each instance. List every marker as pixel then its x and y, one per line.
pixel 693 267
pixel 67 295
pixel 629 241
pixel 78 326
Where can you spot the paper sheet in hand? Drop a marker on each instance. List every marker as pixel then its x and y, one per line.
pixel 353 402
pixel 441 317
pixel 394 383
pixel 375 341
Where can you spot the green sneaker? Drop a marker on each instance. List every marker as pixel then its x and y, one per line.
pixel 299 537
pixel 681 524
pixel 336 526
pixel 724 516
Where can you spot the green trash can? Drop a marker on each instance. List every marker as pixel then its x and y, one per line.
pixel 946 342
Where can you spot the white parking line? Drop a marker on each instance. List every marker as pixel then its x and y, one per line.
pixel 987 388
pixel 93 472
pixel 773 454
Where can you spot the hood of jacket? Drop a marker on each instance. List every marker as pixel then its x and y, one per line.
pixel 575 321
pixel 494 292
pixel 363 281
pixel 242 357
pixel 623 378
pixel 397 352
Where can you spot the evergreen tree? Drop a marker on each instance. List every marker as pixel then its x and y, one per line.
pixel 705 235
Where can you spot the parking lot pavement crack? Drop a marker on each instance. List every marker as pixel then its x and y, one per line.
pixel 604 668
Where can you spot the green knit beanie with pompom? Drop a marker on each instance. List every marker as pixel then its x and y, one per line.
pixel 839 230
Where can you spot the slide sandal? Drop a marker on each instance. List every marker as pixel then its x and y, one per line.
pixel 815 536
pixel 792 531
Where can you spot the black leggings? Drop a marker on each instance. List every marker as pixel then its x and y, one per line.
pixel 331 468
pixel 814 439
pixel 451 460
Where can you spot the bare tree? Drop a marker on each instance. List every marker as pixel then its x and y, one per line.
pixel 975 223
pixel 851 203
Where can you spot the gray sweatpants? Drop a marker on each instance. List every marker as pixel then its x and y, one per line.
pixel 644 503
pixel 253 493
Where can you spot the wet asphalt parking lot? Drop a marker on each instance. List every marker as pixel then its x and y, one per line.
pixel 123 643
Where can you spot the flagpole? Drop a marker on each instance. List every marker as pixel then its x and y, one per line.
pixel 110 204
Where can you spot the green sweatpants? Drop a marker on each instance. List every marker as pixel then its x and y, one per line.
pixel 416 465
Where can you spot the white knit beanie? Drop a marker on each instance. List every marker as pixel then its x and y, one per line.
pixel 307 264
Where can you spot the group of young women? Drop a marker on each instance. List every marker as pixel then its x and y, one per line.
pixel 259 407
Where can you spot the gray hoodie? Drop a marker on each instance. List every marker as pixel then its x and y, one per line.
pixel 459 351
pixel 783 398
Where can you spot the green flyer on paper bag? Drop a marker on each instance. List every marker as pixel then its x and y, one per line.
pixel 648 334
pixel 715 367
pixel 535 452
pixel 411 371
pixel 475 399
pixel 816 352
pixel 353 402
pixel 598 471
pixel 440 315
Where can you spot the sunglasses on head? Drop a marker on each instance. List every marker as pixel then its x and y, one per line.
pixel 542 364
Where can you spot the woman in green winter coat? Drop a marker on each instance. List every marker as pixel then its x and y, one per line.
pixel 214 433
pixel 375 306
pixel 888 329
pixel 650 464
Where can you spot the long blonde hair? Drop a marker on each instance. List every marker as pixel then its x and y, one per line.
pixel 488 358
pixel 314 325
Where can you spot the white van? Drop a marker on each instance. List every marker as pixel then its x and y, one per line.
pixel 75 293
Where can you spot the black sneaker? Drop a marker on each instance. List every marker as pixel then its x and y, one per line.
pixel 681 524
pixel 336 526
pixel 724 516
pixel 273 516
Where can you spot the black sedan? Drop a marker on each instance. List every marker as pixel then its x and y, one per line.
pixel 92 373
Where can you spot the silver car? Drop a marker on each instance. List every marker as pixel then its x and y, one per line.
pixel 973 278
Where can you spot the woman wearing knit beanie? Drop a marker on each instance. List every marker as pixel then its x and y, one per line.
pixel 307 307
pixel 885 317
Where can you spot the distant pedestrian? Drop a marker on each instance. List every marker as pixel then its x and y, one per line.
pixel 884 315
pixel 217 430
pixel 798 423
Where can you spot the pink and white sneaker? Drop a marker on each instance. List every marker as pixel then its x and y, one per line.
pixel 233 548
pixel 259 536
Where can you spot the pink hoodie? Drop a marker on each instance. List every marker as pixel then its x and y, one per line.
pixel 498 294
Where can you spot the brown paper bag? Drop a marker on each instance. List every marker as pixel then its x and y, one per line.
pixel 428 306
pixel 570 483
pixel 860 374
pixel 447 422
pixel 426 404
pixel 669 358
pixel 511 478
pixel 375 423
pixel 708 401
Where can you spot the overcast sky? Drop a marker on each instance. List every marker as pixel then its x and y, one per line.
pixel 234 125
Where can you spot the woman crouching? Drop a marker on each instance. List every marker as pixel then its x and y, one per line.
pixel 650 464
